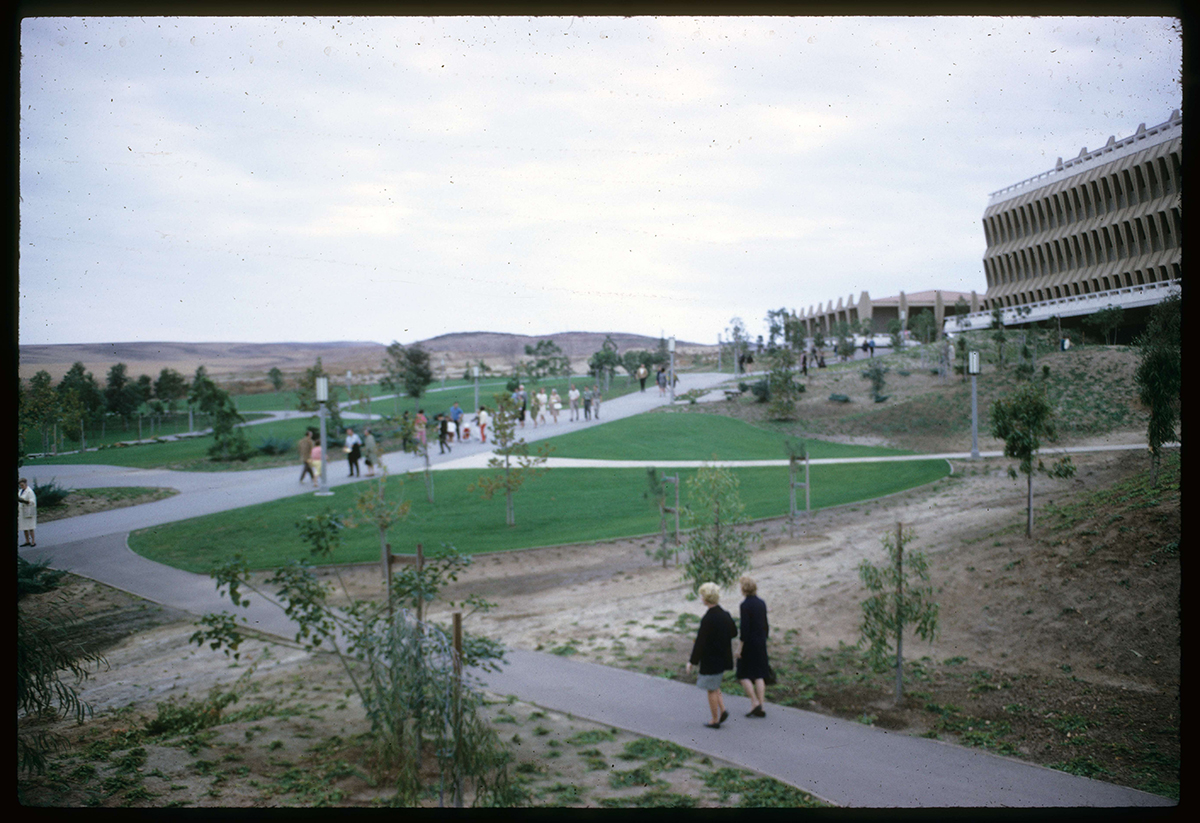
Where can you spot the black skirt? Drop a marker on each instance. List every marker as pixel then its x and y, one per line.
pixel 752 665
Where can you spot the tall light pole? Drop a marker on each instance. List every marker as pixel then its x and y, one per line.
pixel 671 374
pixel 323 398
pixel 973 370
pixel 475 374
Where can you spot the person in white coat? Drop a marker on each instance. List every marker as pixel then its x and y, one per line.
pixel 26 511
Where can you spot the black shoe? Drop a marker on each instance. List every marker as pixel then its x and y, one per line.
pixel 724 717
pixel 712 725
pixel 757 711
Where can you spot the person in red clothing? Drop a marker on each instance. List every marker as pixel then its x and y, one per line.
pixel 713 651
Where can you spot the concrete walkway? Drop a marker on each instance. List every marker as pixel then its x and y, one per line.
pixel 839 761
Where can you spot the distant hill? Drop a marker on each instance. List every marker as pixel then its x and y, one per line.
pixel 250 362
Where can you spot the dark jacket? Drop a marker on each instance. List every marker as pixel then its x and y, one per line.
pixel 754 621
pixel 712 649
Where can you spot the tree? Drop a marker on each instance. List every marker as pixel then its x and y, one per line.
pixel 998 335
pixel 924 325
pixel 275 375
pixel 876 372
pixel 408 675
pixel 121 395
pixel 739 341
pixel 901 597
pixel 229 442
pixel 1159 375
pixel 375 509
pixel 717 551
pixel 1022 420
pixel 1106 322
pixel 50 648
pixel 170 388
pixel 408 369
pixel 511 457
pixel 783 390
pixel 605 362
pixel 306 395
pixel 895 331
pixel 39 406
pixel 657 494
pixel 961 310
pixel 548 361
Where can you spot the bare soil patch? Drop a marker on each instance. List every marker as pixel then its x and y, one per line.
pixel 87 501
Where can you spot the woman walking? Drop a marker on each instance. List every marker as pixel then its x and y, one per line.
pixel 713 652
pixel 370 452
pixel 555 404
pixel 26 511
pixel 752 664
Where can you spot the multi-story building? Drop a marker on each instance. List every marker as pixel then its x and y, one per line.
pixel 1101 229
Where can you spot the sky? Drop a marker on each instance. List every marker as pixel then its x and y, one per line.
pixel 376 179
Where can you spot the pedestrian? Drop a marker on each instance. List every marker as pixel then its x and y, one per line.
pixel 305 447
pixel 573 400
pixel 317 454
pixel 484 419
pixel 405 432
pixel 542 402
pixel 596 401
pixel 753 668
pixel 713 651
pixel 420 427
pixel 642 374
pixel 445 434
pixel 370 452
pixel 353 449
pixel 661 380
pixel 555 404
pixel 587 404
pixel 871 343
pixel 456 416
pixel 521 398
pixel 26 511
pixel 804 364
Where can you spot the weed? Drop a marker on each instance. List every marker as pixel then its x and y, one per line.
pixel 641 776
pixel 662 755
pixel 592 737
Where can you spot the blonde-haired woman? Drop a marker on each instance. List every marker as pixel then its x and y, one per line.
pixel 713 651
pixel 26 511
pixel 752 664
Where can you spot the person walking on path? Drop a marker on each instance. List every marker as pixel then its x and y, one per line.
pixel 713 652
pixel 484 419
pixel 305 446
pixel 456 416
pixel 587 404
pixel 318 454
pixel 353 449
pixel 573 400
pixel 370 452
pixel 555 404
pixel 27 511
pixel 542 402
pixel 421 426
pixel 661 380
pixel 642 374
pixel 753 667
pixel 596 401
pixel 521 399
pixel 445 434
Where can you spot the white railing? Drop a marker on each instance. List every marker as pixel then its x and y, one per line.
pixel 1127 297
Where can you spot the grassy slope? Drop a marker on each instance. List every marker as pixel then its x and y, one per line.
pixel 564 506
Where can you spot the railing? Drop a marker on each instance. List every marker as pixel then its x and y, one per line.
pixel 1072 306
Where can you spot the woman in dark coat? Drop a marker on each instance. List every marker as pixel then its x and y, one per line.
pixel 752 666
pixel 713 651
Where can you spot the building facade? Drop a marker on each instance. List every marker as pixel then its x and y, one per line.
pixel 1104 228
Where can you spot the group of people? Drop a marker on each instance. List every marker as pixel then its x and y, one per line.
pixel 714 655
pixel 356 448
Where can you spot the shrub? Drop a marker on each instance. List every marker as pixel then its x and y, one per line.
pixel 274 445
pixel 50 494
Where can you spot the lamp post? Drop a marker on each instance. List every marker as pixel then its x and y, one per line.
pixel 671 374
pixel 973 370
pixel 322 399
pixel 475 374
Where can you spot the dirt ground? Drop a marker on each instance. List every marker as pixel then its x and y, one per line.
pixel 1063 649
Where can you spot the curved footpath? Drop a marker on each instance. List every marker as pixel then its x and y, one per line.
pixel 842 762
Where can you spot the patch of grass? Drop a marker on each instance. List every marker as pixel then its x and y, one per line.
pixel 641 776
pixel 592 737
pixel 757 792
pixel 661 755
pixel 602 504
pixel 656 798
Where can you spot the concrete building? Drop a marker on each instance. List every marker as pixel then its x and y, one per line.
pixel 877 313
pixel 1101 229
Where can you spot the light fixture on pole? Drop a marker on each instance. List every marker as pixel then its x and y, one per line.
pixel 973 370
pixel 322 399
pixel 671 376
pixel 475 374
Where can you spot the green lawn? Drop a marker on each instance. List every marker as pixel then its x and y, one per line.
pixel 563 506
pixel 679 436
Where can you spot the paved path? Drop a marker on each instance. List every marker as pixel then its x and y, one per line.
pixel 840 761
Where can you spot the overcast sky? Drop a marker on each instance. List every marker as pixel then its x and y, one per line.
pixel 263 180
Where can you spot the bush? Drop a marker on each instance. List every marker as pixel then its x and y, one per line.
pixel 50 494
pixel 839 398
pixel 275 445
